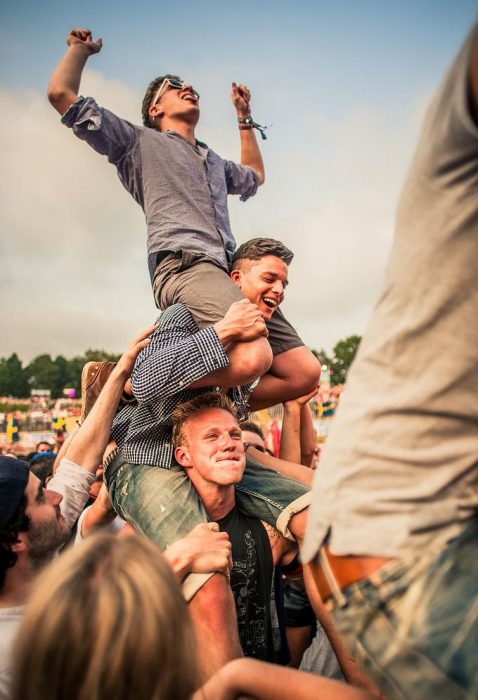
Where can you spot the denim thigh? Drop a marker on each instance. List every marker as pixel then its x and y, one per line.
pixel 269 496
pixel 414 623
pixel 160 503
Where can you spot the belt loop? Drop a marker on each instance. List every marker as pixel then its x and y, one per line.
pixel 340 599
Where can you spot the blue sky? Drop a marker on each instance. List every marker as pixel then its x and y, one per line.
pixel 344 84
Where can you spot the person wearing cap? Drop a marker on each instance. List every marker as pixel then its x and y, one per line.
pixel 32 529
pixel 182 187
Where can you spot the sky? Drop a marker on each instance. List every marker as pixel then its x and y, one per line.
pixel 344 85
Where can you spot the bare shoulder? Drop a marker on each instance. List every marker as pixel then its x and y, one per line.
pixel 280 546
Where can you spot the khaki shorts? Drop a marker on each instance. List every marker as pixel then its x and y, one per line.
pixel 208 292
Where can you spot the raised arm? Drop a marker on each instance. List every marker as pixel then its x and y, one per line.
pixel 297 442
pixel 94 434
pixel 250 153
pixel 64 83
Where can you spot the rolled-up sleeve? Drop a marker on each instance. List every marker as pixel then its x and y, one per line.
pixel 241 179
pixel 106 133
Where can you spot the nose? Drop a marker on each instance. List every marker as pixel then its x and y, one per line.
pixel 53 497
pixel 227 443
pixel 278 287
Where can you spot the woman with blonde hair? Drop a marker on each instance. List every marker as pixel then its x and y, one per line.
pixel 106 621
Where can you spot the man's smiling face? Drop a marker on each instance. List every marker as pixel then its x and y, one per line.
pixel 263 282
pixel 177 102
pixel 213 446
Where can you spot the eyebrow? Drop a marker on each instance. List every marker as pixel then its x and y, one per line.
pixel 274 274
pixel 39 492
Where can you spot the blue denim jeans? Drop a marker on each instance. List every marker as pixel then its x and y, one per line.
pixel 413 624
pixel 163 504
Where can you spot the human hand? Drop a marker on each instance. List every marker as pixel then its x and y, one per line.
pixel 203 550
pixel 243 322
pixel 84 38
pixel 241 99
pixel 128 358
pixel 301 401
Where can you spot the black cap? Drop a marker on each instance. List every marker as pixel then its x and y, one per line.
pixel 14 475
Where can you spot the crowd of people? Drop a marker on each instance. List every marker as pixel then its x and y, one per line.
pixel 151 563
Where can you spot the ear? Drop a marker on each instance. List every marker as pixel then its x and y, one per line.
pixel 182 456
pixel 20 544
pixel 155 111
pixel 236 276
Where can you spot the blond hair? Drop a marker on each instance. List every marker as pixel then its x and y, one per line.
pixel 106 620
pixel 183 412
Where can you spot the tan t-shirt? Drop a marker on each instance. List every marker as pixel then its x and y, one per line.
pixel 399 469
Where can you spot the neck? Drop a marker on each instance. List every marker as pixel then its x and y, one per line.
pixel 185 129
pixel 16 587
pixel 218 500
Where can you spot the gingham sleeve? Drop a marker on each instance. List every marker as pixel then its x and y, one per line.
pixel 176 358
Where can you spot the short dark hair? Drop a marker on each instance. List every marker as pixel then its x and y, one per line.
pixel 19 522
pixel 258 248
pixel 182 413
pixel 252 428
pixel 151 90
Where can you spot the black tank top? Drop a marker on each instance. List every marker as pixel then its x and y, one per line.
pixel 251 582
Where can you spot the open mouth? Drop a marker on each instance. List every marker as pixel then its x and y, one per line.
pixel 270 302
pixel 189 97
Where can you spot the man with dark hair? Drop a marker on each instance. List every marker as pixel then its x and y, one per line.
pixel 31 530
pixel 182 187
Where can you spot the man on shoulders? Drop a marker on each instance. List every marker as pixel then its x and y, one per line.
pixel 182 187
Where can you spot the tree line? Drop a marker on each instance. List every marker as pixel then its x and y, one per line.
pixel 57 374
pixel 44 372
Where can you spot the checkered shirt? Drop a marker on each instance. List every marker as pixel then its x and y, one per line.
pixel 178 355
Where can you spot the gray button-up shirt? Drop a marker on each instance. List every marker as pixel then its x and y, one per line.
pixel 182 188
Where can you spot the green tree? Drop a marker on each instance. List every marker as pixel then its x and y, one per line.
pixel 13 380
pixel 344 353
pixel 42 373
pixel 342 357
pixel 61 374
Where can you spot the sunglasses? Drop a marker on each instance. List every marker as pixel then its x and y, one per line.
pixel 170 82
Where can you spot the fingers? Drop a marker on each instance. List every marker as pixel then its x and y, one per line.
pixel 85 36
pixel 144 334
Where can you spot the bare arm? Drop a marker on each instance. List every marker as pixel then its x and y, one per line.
pixel 90 441
pixel 203 550
pixel 100 513
pixel 65 80
pixel 350 668
pixel 290 469
pixel 297 442
pixel 250 152
pixel 262 681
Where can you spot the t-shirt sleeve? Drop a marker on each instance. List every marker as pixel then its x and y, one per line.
pixel 241 179
pixel 108 134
